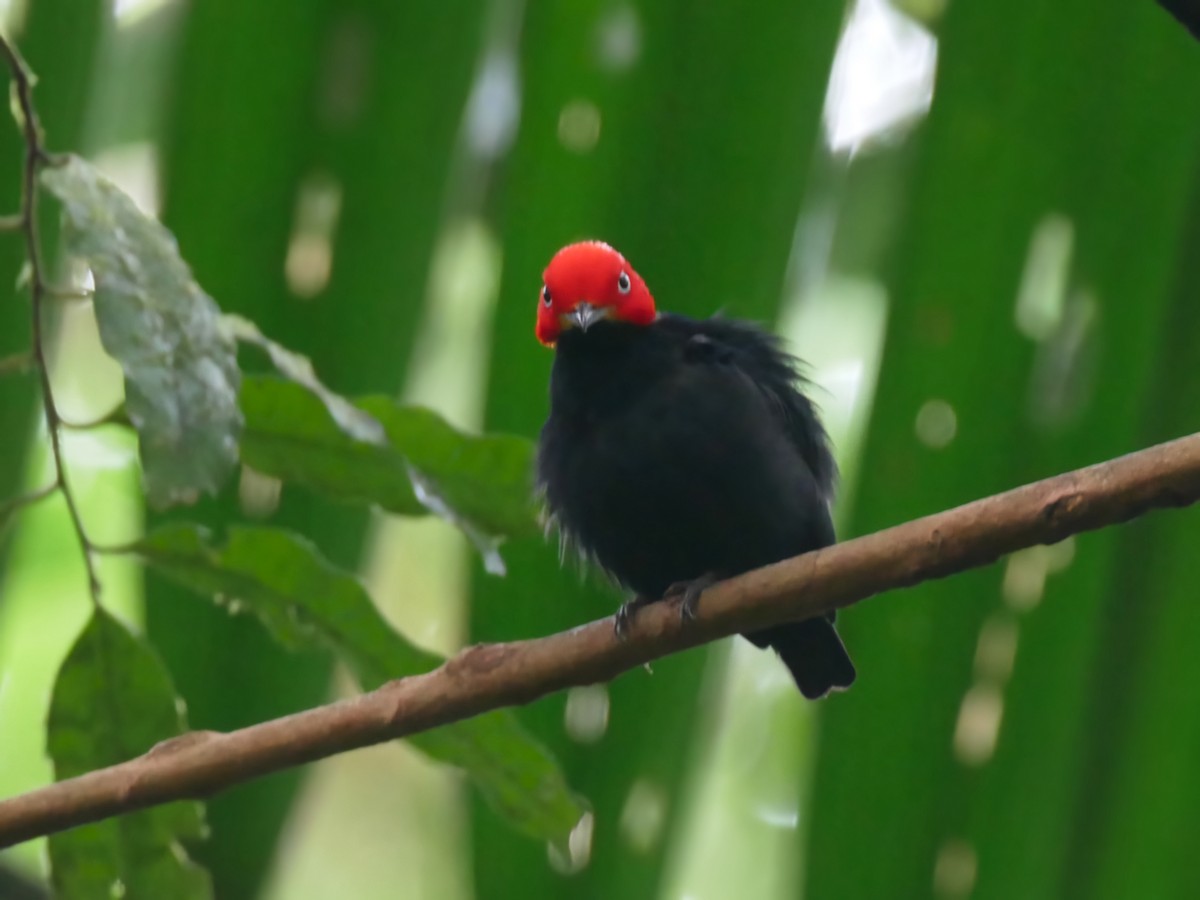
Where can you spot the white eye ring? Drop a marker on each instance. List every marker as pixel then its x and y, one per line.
pixel 546 301
pixel 623 283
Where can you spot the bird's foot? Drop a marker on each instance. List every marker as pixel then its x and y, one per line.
pixel 625 615
pixel 689 593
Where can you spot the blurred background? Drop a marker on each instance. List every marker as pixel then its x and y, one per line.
pixel 979 222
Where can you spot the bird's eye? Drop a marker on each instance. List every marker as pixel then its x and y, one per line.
pixel 546 295
pixel 623 283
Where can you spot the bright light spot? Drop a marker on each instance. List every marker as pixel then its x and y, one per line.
pixel 586 715
pixel 936 424
pixel 837 325
pixel 1062 379
pixel 309 261
pixel 997 649
pixel 619 38
pixel 308 265
pixel 258 494
pixel 579 126
pixel 978 724
pixel 1026 571
pixel 134 169
pixel 465 275
pixel 1042 294
pixel 768 675
pixel 1025 579
pixel 129 12
pixel 844 379
pixel 116 890
pixel 12 17
pixel 494 107
pixel 455 338
pixel 1060 556
pixel 882 75
pixel 644 815
pixel 779 816
pixel 955 869
pixel 98 451
pixel 178 851
pixel 579 848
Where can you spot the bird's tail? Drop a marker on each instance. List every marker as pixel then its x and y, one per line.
pixel 813 653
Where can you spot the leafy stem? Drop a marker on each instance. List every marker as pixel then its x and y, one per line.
pixel 26 222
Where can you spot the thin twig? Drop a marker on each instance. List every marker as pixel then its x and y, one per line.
pixel 487 677
pixel 35 157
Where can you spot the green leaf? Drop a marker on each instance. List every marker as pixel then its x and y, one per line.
pixel 299 368
pixel 180 365
pixel 291 435
pixel 305 601
pixel 480 484
pixel 113 700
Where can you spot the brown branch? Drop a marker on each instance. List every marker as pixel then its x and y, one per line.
pixel 487 677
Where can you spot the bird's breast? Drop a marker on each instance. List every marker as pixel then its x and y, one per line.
pixel 691 476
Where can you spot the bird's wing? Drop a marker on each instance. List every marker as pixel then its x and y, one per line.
pixel 760 355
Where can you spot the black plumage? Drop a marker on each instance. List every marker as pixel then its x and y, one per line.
pixel 684 450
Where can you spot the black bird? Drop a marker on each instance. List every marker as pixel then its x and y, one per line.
pixel 679 452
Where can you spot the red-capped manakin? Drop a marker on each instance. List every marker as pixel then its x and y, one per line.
pixel 680 451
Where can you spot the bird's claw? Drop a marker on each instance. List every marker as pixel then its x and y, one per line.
pixel 625 615
pixel 689 593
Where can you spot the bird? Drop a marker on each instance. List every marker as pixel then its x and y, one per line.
pixel 679 452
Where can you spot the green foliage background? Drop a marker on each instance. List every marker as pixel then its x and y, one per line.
pixel 1004 288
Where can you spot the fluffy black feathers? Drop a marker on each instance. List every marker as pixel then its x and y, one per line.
pixel 684 449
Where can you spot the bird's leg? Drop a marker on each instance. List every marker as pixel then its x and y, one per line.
pixel 625 615
pixel 689 593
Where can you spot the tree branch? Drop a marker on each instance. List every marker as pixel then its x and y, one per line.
pixel 486 677
pixel 27 222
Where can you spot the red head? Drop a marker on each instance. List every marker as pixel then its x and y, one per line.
pixel 585 283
